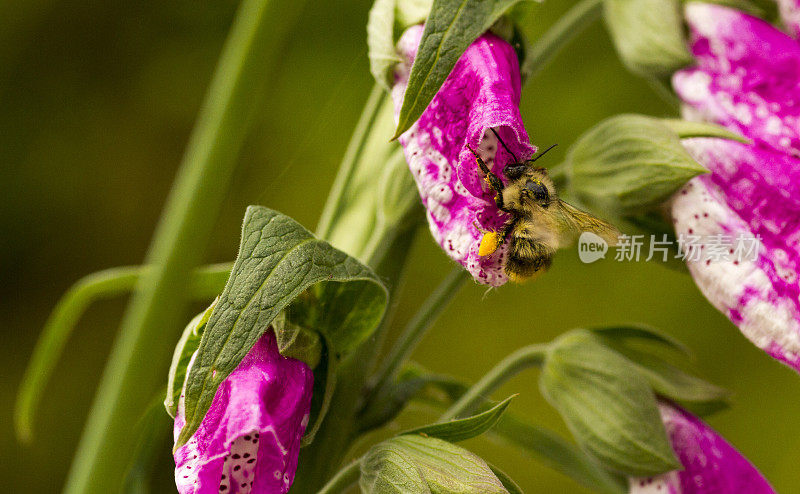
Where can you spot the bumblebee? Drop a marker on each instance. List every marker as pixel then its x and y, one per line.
pixel 540 222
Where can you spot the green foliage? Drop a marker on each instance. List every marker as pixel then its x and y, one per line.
pixel 187 345
pixel 280 263
pixel 466 428
pixel 607 404
pixel 628 164
pixel 648 35
pixel 412 464
pixel 380 41
pixel 450 28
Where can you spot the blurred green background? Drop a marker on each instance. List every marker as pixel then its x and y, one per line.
pixel 98 99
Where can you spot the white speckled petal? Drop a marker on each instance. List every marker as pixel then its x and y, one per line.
pixel 759 293
pixel 746 77
pixel 710 464
pixel 481 92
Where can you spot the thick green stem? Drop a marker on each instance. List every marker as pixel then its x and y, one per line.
pixel 419 324
pixel 345 478
pixel 507 368
pixel 570 25
pixel 139 358
pixel 205 282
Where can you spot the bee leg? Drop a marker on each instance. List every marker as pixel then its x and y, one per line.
pixel 527 259
pixel 493 180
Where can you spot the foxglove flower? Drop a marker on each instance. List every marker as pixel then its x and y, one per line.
pixel 249 439
pixel 481 93
pixel 710 464
pixel 747 78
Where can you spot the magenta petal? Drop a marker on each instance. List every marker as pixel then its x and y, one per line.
pixel 482 92
pixel 751 193
pixel 250 437
pixel 747 76
pixel 710 464
pixel 790 15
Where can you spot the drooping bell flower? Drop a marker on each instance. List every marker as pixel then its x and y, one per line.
pixel 747 78
pixel 710 464
pixel 480 94
pixel 249 440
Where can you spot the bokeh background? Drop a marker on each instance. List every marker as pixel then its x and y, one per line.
pixel 98 99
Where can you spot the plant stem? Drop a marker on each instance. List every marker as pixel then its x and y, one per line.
pixel 357 142
pixel 141 352
pixel 205 282
pixel 507 368
pixel 570 25
pixel 419 324
pixel 343 479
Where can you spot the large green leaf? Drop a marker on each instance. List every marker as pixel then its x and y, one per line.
pixel 466 428
pixel 608 405
pixel 414 464
pixel 279 263
pixel 451 27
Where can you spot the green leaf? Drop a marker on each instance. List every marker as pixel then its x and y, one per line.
pixel 648 35
pixel 187 345
pixel 279 263
pixel 380 41
pixel 411 464
pixel 297 342
pixel 507 481
pixel 628 164
pixel 687 129
pixel 608 405
pixel 542 444
pixel 640 332
pixel 466 428
pixel 451 27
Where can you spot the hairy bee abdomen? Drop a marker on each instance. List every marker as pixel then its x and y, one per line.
pixel 527 257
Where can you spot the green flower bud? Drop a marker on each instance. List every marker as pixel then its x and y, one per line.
pixel 648 35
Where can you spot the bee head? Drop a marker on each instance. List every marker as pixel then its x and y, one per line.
pixel 538 191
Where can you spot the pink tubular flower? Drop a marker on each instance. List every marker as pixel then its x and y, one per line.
pixel 747 78
pixel 710 464
pixel 250 438
pixel 482 92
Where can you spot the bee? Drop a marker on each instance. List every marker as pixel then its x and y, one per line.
pixel 540 222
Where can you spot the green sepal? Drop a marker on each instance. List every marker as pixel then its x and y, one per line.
pixel 466 428
pixel 450 28
pixel 380 42
pixel 607 404
pixel 639 345
pixel 295 341
pixel 411 12
pixel 648 35
pixel 281 265
pixel 415 464
pixel 511 486
pixel 187 345
pixel 687 129
pixel 628 164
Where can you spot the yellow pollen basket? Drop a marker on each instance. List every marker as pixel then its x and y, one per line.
pixel 489 244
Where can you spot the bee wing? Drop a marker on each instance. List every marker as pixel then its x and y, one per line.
pixel 575 221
